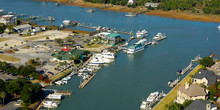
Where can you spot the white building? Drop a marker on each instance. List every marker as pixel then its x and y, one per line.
pixel 23 28
pixel 8 19
pixel 152 4
pixel 131 2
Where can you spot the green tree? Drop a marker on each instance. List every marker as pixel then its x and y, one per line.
pixel 3 95
pixel 47 38
pixel 207 61
pixel 37 59
pixel 30 93
pixel 2 85
pixel 6 44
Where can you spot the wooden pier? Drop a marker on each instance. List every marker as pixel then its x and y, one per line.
pixel 151 104
pixel 187 68
pixel 174 83
pixel 86 81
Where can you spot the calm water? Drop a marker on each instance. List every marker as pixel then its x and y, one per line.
pixel 123 85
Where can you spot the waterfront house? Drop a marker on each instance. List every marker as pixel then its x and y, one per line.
pixel 131 2
pixel 151 4
pixel 215 68
pixel 205 77
pixel 11 19
pixel 113 39
pixel 23 28
pixel 190 92
pixel 201 105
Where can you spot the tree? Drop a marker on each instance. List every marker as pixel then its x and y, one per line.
pixel 37 59
pixel 47 38
pixel 30 93
pixel 207 61
pixel 2 85
pixel 6 44
pixel 3 95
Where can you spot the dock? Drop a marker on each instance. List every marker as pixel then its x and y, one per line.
pixel 197 58
pixel 187 68
pixel 86 81
pixel 151 104
pixel 174 83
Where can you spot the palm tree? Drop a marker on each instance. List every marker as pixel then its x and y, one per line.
pixel 3 95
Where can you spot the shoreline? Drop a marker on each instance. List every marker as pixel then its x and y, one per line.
pixel 175 14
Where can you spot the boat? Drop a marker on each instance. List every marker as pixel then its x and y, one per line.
pixel 159 36
pixel 219 27
pixel 106 54
pixel 66 22
pixel 100 60
pixel 144 105
pixel 90 10
pixel 2 10
pixel 137 47
pixel 51 18
pixel 57 4
pixel 141 34
pixel 154 42
pixel 50 104
pixel 153 96
pixel 131 15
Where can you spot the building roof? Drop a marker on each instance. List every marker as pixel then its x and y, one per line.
pixel 199 105
pixel 193 90
pixel 114 35
pixel 209 75
pixel 22 26
pixel 65 55
pixel 151 3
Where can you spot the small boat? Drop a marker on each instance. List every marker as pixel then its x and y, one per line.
pixel 2 10
pixel 131 15
pixel 159 36
pixel 153 96
pixel 51 18
pixel 219 27
pixel 90 10
pixel 57 4
pixel 141 34
pixel 154 42
pixel 66 22
pixel 179 72
pixel 144 105
pixel 50 104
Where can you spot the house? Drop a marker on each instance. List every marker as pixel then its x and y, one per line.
pixel 8 19
pixel 201 105
pixel 103 35
pixel 205 77
pixel 215 68
pixel 151 4
pixel 131 2
pixel 36 29
pixel 190 92
pixel 113 39
pixel 23 28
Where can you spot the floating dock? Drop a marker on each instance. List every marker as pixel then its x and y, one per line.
pixel 86 81
pixel 174 83
pixel 187 68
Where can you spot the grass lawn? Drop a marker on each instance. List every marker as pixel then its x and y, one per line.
pixel 95 45
pixel 173 93
pixel 3 39
pixel 59 75
pixel 8 58
pixel 38 37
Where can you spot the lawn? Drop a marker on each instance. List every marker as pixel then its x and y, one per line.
pixel 3 39
pixel 95 45
pixel 8 58
pixel 58 76
pixel 173 93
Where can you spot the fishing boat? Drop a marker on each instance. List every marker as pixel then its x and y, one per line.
pixel 66 22
pixel 153 96
pixel 159 36
pixel 144 104
pixel 50 104
pixel 137 47
pixel 141 34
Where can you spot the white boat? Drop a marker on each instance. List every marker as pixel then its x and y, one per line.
pixel 66 22
pixel 100 60
pixel 159 36
pixel 141 34
pixel 51 18
pixel 137 47
pixel 90 10
pixel 152 96
pixel 2 10
pixel 50 104
pixel 219 27
pixel 131 15
pixel 144 104
pixel 107 54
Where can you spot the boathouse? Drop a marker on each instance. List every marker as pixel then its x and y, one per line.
pixel 113 39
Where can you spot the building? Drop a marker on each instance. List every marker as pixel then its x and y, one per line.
pixel 151 4
pixel 215 68
pixel 113 39
pixel 11 19
pixel 190 92
pixel 205 77
pixel 103 35
pixel 131 2
pixel 23 28
pixel 201 105
pixel 65 54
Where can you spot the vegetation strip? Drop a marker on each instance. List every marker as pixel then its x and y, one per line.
pixel 3 39
pixel 8 58
pixel 173 93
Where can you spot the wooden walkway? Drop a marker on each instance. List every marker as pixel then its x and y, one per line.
pixel 86 81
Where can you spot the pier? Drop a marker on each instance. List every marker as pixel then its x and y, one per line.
pixel 187 68
pixel 86 81
pixel 151 104
pixel 174 83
